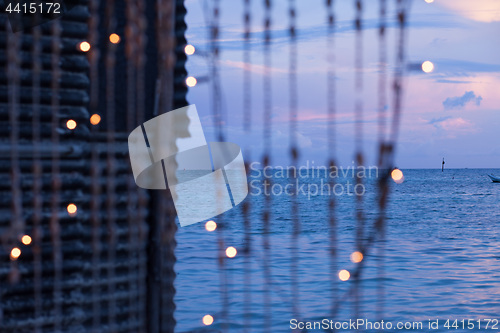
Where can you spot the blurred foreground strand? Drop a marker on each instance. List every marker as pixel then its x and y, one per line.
pixel 103 250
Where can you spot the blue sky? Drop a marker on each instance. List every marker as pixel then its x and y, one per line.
pixel 453 112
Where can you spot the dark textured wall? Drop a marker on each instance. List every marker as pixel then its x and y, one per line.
pixel 121 297
pixel 17 279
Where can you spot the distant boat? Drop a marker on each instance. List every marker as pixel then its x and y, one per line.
pixel 494 179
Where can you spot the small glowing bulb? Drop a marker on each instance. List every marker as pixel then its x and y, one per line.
pixel 208 320
pixel 191 81
pixel 72 209
pixel 427 66
pixel 84 46
pixel 189 49
pixel 210 226
pixel 26 240
pixel 397 176
pixel 356 257
pixel 15 253
pixel 344 275
pixel 231 252
pixel 429 1
pixel 95 119
pixel 114 38
pixel 71 124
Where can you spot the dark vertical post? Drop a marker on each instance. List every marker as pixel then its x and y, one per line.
pixel 177 99
pixel 154 265
pixel 168 16
pixel 153 284
pixel 153 240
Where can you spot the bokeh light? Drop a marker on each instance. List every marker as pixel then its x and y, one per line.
pixel 114 38
pixel 429 1
pixel 26 240
pixel 356 257
pixel 95 119
pixel 71 124
pixel 231 252
pixel 210 226
pixel 344 275
pixel 208 320
pixel 427 66
pixel 84 46
pixel 191 81
pixel 15 253
pixel 397 176
pixel 72 209
pixel 189 49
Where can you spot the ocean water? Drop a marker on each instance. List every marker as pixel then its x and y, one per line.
pixel 440 258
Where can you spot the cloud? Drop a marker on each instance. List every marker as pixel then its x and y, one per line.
pixel 449 123
pixel 438 120
pixel 303 141
pixel 461 68
pixel 438 42
pixel 460 101
pixel 456 124
pixel 232 37
pixel 283 139
pixel 452 127
pixel 477 10
pixel 452 81
pixel 255 68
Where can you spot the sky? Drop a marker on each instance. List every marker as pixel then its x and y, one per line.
pixel 452 112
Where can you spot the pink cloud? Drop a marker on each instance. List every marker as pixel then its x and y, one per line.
pixel 456 124
pixel 259 69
